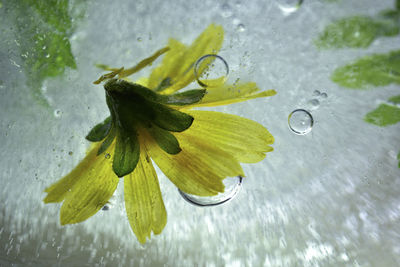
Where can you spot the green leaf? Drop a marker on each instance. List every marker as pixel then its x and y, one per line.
pixel 357 31
pixel 127 150
pixel 165 140
pixel 384 115
pixel 108 141
pixel 370 71
pixel 100 131
pixel 43 29
pixel 395 99
pixel 179 99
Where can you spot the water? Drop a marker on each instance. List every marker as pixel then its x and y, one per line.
pixel 327 198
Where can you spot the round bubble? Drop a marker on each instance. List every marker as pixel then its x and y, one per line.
pixel 314 104
pixel 57 113
pixel 232 188
pixel 324 95
pixel 289 6
pixel 300 121
pixel 211 70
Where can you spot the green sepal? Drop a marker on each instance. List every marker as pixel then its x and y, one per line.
pixel 170 119
pixel 186 98
pixel 165 140
pixel 164 84
pixel 108 141
pixel 370 71
pixel 179 99
pixel 100 131
pixel 384 115
pixel 127 151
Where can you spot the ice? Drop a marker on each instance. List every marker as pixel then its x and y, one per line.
pixel 328 198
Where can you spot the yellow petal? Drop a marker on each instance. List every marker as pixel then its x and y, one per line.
pixel 228 94
pixel 179 61
pixel 57 191
pixel 86 189
pixel 242 138
pixel 198 169
pixel 143 201
pixel 170 64
pixel 145 62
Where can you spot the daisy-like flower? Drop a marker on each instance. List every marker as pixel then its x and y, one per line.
pixel 151 120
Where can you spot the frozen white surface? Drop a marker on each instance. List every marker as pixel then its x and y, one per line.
pixel 329 198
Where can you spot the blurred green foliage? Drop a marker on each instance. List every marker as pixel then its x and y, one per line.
pixel 384 115
pixel 44 28
pixel 356 31
pixel 370 71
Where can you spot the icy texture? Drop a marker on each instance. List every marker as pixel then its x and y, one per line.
pixel 329 198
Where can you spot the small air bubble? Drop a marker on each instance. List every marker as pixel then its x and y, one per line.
pixel 139 39
pixel 211 70
pixel 314 104
pixel 70 153
pixel 300 121
pixel 289 6
pixel 316 93
pixel 240 28
pixel 232 187
pixel 107 156
pixel 226 10
pixel 57 113
pixel 324 95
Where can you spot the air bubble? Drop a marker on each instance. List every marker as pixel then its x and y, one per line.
pixel 316 93
pixel 107 156
pixel 240 28
pixel 300 121
pixel 211 70
pixel 314 104
pixel 226 11
pixel 70 153
pixel 324 95
pixel 289 6
pixel 57 113
pixel 232 188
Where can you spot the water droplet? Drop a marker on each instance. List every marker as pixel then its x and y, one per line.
pixel 324 95
pixel 232 187
pixel 70 153
pixel 57 113
pixel 107 156
pixel 240 28
pixel 300 121
pixel 211 70
pixel 314 104
pixel 226 10
pixel 316 93
pixel 289 6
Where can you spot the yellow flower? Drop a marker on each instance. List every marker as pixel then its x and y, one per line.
pixel 150 119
